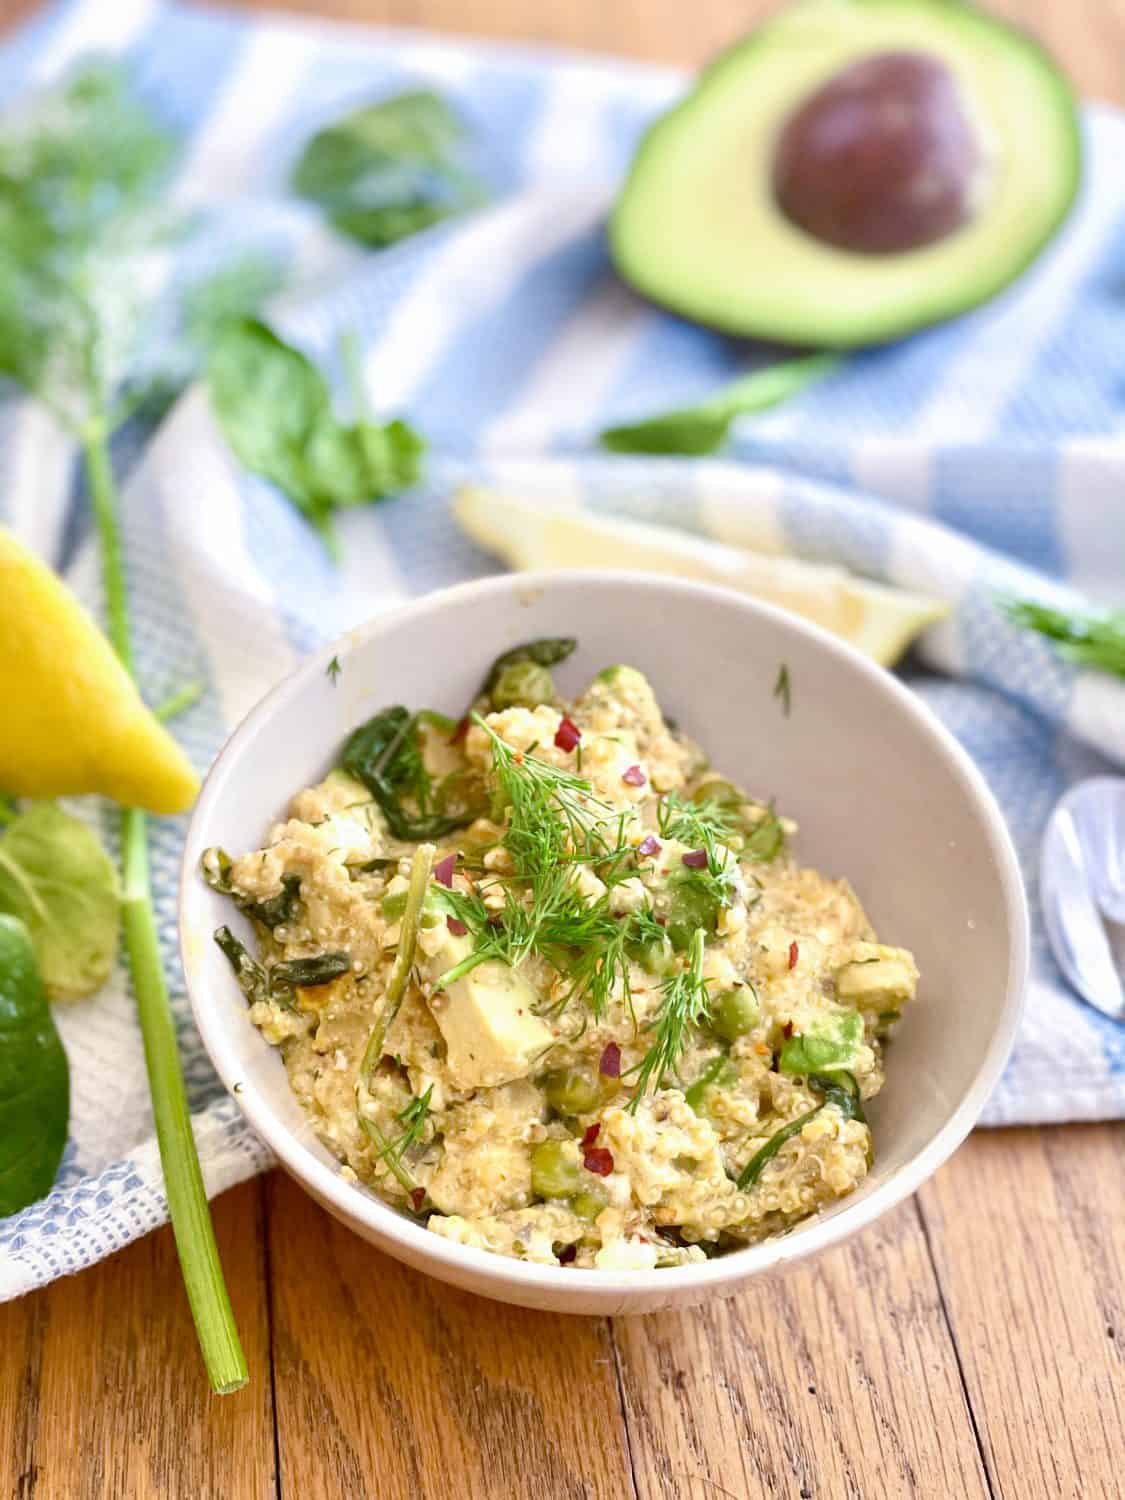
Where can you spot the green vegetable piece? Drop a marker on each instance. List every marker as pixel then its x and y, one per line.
pixel 695 430
pixel 587 1205
pixel 734 1013
pixel 654 954
pixel 753 1168
pixel 34 1077
pixel 693 906
pixel 215 867
pixel 524 684
pixel 389 170
pixel 719 1073
pixel 547 652
pixel 275 410
pixel 720 793
pixel 307 973
pixel 1088 640
pixel 842 1090
pixel 554 1172
pixel 251 975
pixel 385 755
pixel 572 1091
pixel 832 1044
pixel 56 877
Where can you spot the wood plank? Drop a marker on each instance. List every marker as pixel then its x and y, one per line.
pixel 390 1383
pixel 102 1390
pixel 837 1379
pixel 1027 1229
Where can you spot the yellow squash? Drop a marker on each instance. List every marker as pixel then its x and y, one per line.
pixel 71 719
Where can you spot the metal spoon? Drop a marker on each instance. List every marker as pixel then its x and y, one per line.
pixel 1082 883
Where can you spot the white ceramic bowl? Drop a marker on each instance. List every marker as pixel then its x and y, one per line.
pixel 882 793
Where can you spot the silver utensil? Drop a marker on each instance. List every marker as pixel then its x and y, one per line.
pixel 1082 884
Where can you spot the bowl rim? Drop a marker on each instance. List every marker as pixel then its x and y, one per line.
pixel 427 1250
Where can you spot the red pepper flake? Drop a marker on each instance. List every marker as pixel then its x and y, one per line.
pixel 610 1064
pixel 567 1254
pixel 591 1134
pixel 696 859
pixel 458 929
pixel 598 1160
pixel 649 846
pixel 417 1198
pixel 567 735
pixel 787 1030
pixel 794 951
pixel 443 870
pixel 634 776
pixel 460 732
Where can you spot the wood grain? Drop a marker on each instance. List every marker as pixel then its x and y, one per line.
pixel 102 1392
pixel 837 1379
pixel 392 1384
pixel 1027 1230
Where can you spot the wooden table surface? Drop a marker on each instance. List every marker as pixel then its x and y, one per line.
pixel 970 1344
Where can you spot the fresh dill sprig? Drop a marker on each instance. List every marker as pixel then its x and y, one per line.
pixel 685 1001
pixel 412 1117
pixel 782 690
pixel 701 825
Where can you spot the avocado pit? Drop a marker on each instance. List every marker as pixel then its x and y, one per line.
pixel 882 158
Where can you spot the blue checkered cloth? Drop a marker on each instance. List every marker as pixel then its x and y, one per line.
pixel 985 456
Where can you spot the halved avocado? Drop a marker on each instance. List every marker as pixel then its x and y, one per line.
pixel 852 171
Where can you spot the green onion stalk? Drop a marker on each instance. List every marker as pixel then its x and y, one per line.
pixel 183 1180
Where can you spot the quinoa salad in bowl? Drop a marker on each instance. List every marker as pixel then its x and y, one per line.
pixel 547 982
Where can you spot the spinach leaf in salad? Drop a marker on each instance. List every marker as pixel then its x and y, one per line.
pixel 58 879
pixel 386 755
pixel 389 169
pixel 34 1076
pixel 275 410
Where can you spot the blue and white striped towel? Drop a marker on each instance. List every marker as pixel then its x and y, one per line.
pixel 987 455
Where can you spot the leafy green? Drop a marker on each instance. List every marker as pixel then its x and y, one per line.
pixel 34 1077
pixel 1088 640
pixel 80 173
pixel 215 867
pixel 390 169
pixel 838 1089
pixel 56 877
pixel 252 978
pixel 693 431
pixel 275 409
pixel 386 755
pixel 278 981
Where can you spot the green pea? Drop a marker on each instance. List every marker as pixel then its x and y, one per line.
pixel 692 906
pixel 393 906
pixel 654 956
pixel 734 1013
pixel 554 1172
pixel 719 1073
pixel 587 1206
pixel 524 684
pixel 572 1091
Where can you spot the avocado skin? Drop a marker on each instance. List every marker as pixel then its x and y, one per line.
pixel 637 250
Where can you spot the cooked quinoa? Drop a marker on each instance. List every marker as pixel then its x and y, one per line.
pixel 546 981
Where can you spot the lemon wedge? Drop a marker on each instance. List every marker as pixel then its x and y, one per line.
pixel 877 619
pixel 73 719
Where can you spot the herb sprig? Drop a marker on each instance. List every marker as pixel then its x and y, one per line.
pixel 1088 640
pixel 684 1002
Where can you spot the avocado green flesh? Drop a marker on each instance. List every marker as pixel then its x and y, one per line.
pixel 697 228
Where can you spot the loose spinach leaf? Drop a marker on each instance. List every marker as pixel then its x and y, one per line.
pixel 56 877
pixel 307 973
pixel 34 1077
pixel 251 975
pixel 215 867
pixel 390 169
pixel 257 982
pixel 1088 640
pixel 79 205
pixel 547 652
pixel 386 756
pixel 692 431
pixel 840 1089
pixel 275 410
